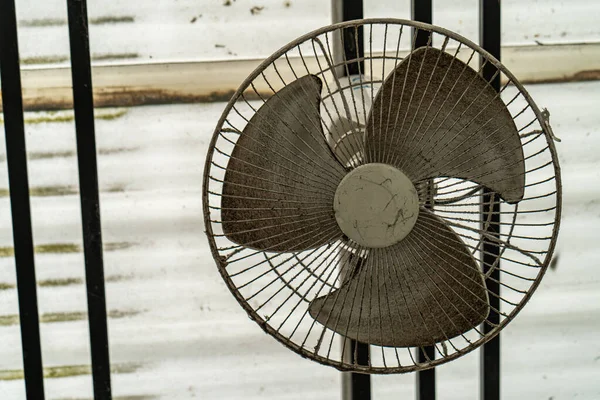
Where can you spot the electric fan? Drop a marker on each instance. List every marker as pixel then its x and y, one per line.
pixel 343 197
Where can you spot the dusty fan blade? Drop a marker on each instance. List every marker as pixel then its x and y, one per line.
pixel 281 178
pixel 435 116
pixel 423 290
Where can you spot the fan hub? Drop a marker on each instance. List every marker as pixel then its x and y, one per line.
pixel 376 205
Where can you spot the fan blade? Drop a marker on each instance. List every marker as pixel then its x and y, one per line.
pixel 423 290
pixel 281 178
pixel 435 116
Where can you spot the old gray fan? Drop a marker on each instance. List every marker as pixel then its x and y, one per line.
pixel 343 198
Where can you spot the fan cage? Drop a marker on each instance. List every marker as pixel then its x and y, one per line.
pixel 275 288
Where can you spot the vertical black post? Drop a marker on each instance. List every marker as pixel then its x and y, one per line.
pixel 490 353
pixel 347 10
pixel 354 386
pixel 16 156
pixel 83 105
pixel 422 10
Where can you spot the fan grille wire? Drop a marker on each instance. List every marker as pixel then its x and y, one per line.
pixel 275 288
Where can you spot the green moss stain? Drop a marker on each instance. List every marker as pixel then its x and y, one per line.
pixel 133 397
pixel 117 188
pixel 43 60
pixel 40 60
pixel 60 282
pixel 58 248
pixel 55 191
pixel 71 153
pixel 49 116
pixel 47 191
pixel 114 56
pixel 118 314
pixel 56 282
pixel 7 286
pixel 42 22
pixel 62 317
pixel 66 282
pixel 8 320
pixel 118 246
pixel 49 318
pixel 118 278
pixel 117 150
pixel 7 251
pixel 106 114
pixel 109 114
pixel 65 248
pixel 65 371
pixel 44 248
pixel 45 156
pixel 110 19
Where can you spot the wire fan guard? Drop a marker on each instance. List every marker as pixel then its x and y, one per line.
pixel 295 128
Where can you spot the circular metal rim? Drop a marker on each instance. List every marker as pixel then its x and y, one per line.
pixel 340 365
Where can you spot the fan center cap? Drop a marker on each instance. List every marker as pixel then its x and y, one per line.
pixel 376 205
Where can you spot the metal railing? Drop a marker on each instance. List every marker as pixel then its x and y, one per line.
pixel 19 198
pixel 356 386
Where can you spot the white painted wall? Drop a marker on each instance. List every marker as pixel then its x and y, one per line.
pixel 162 29
pixel 190 336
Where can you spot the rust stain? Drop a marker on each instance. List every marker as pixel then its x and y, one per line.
pixel 581 76
pixel 135 96
pixel 128 97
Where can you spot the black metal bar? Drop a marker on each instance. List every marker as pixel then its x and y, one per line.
pixel 353 9
pixel 354 386
pixel 422 11
pixel 490 39
pixel 347 10
pixel 16 156
pixel 83 104
pixel 426 378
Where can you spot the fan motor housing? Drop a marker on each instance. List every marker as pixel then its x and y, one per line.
pixel 376 205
